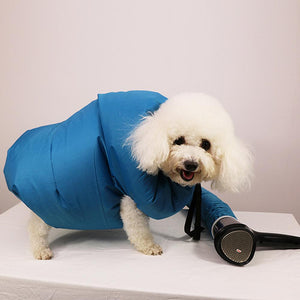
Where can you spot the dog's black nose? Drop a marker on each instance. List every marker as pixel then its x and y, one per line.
pixel 190 165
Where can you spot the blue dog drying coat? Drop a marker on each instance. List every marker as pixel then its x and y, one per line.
pixel 73 174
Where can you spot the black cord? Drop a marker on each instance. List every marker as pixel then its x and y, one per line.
pixel 195 208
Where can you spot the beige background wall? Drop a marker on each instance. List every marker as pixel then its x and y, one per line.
pixel 57 55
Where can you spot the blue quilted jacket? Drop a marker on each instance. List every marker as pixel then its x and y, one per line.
pixel 73 174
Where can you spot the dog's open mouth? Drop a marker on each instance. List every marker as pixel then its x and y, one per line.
pixel 186 175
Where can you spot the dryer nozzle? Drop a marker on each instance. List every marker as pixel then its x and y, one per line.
pixel 236 242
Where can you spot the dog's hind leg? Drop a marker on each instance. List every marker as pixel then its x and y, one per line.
pixel 38 234
pixel 136 225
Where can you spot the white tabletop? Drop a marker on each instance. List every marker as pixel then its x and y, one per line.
pixel 103 265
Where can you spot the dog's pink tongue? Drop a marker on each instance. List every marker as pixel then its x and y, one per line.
pixel 188 175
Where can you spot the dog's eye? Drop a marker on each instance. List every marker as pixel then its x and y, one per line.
pixel 205 144
pixel 179 141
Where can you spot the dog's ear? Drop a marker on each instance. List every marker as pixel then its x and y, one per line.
pixel 149 144
pixel 235 168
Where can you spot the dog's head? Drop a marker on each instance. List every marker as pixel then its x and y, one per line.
pixel 191 139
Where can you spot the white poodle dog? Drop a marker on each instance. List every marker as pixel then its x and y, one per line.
pixel 191 139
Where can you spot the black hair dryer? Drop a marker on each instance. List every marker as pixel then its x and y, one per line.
pixel 236 243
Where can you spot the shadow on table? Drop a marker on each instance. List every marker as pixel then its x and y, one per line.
pixel 105 238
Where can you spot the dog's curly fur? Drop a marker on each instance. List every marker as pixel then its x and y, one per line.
pixel 194 118
pixel 191 139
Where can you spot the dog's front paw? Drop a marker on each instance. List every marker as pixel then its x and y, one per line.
pixel 43 254
pixel 152 249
